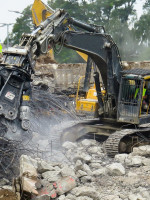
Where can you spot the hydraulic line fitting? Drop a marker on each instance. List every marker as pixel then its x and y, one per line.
pixel 25 112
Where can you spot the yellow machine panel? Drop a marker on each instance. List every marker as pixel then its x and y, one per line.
pixel 40 12
pixel 92 94
pixel 89 103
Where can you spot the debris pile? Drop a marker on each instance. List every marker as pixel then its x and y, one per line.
pixel 134 65
pixel 86 174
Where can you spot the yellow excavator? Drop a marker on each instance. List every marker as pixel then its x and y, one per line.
pixel 124 108
pixel 120 94
pixel 88 104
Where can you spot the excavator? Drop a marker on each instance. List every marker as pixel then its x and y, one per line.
pixel 123 116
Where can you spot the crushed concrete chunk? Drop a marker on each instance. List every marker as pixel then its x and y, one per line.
pixel 85 191
pixel 133 161
pixel 81 173
pixel 69 145
pixel 65 184
pixel 83 157
pixel 142 150
pixel 78 165
pixel 88 143
pixel 115 169
pixel 67 171
pixel 28 166
pixel 44 167
pixel 29 185
pixel 99 172
pixel 51 176
pixel 121 157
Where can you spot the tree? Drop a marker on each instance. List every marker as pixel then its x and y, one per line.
pixel 23 25
pixel 142 29
pixel 142 32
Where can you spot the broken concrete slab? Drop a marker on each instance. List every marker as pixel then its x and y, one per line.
pixel 65 185
pixel 28 166
pixel 28 185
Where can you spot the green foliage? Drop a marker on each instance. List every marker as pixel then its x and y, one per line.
pixel 142 29
pixel 23 25
pixel 68 56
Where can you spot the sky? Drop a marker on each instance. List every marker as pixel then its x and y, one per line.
pixel 19 5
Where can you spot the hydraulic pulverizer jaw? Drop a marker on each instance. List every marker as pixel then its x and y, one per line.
pixel 15 85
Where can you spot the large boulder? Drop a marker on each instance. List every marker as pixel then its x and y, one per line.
pixel 65 185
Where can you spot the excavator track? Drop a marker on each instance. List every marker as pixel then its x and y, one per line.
pixel 111 145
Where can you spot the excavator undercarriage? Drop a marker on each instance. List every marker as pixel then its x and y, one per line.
pixel 116 137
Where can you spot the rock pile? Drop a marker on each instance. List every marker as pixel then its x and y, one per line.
pixel 86 174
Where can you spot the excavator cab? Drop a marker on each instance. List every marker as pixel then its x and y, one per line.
pixel 134 97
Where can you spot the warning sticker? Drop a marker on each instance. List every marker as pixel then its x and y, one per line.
pixel 95 94
pixel 10 96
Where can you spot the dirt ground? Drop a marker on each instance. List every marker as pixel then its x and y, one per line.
pixel 7 195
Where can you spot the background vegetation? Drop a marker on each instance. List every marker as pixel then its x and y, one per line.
pixel 119 18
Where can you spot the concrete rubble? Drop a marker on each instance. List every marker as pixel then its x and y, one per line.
pixel 125 177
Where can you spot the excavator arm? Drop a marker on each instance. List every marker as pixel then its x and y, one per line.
pixel 40 12
pixel 90 40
